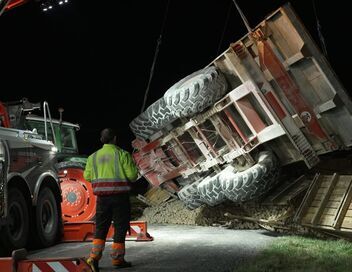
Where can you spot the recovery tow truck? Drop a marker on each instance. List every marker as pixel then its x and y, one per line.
pixel 42 186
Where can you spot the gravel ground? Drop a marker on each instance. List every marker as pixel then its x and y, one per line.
pixel 186 240
pixel 178 248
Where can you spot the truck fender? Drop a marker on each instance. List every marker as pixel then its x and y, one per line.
pixel 48 174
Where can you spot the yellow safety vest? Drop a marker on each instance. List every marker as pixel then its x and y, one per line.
pixel 110 170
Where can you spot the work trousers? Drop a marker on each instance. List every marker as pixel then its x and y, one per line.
pixel 114 208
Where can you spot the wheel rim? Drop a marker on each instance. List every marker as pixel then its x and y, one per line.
pixel 78 202
pixel 47 217
pixel 16 227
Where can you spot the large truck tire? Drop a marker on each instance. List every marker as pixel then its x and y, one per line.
pixel 78 201
pixel 159 114
pixel 196 92
pixel 14 235
pixel 210 191
pixel 47 218
pixel 187 97
pixel 142 127
pixel 253 182
pixel 189 196
pixel 154 118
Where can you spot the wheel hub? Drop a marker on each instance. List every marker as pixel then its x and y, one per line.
pixel 47 217
pixel 15 220
pixel 72 197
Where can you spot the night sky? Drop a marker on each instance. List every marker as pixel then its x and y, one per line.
pixel 93 57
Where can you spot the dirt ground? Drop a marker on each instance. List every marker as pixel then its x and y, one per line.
pixel 227 215
pixel 174 212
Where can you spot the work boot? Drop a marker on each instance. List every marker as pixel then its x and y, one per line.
pixel 94 264
pixel 122 264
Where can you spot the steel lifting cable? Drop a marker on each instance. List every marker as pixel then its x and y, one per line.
pixel 319 28
pixel 244 19
pixel 224 29
pixel 155 56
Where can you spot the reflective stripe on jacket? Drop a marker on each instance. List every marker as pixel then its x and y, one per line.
pixel 110 170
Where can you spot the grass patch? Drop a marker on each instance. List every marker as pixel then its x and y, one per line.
pixel 295 253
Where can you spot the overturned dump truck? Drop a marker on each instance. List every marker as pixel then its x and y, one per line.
pixel 225 131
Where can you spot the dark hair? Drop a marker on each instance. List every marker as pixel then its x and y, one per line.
pixel 107 136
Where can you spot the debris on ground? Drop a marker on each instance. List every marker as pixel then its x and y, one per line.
pixel 174 212
pixel 229 215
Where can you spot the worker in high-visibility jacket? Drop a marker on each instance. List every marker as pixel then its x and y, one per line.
pixel 110 170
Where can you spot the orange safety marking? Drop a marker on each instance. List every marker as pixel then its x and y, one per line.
pixel 118 246
pixel 84 232
pixel 23 264
pixel 98 242
pixel 53 265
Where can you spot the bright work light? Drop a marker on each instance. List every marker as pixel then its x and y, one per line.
pixel 47 5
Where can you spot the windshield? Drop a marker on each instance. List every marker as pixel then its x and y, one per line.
pixel 65 135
